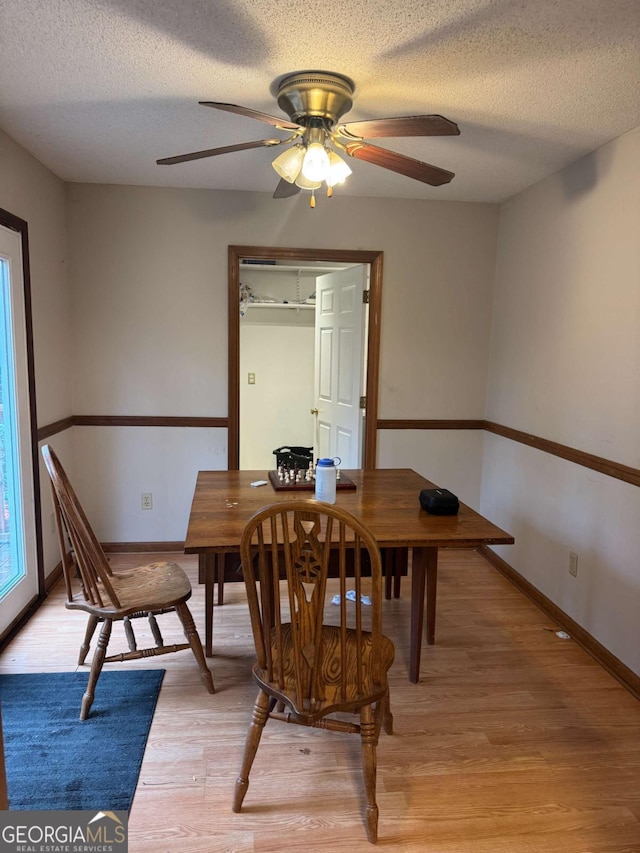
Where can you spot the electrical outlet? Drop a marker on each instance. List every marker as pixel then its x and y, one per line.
pixel 251 379
pixel 573 564
pixel 146 500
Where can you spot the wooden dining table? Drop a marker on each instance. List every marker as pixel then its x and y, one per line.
pixel 385 499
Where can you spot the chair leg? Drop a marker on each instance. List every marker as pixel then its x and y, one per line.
pixel 155 630
pixel 190 632
pixel 383 715
pixel 368 734
pixel 129 634
pixel 88 635
pixel 258 721
pixel 96 668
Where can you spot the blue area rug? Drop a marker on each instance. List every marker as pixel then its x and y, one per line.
pixel 53 760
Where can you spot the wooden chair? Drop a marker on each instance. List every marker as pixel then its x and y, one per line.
pixel 109 596
pixel 314 658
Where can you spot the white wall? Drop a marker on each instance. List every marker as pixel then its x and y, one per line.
pixel 276 410
pixel 33 193
pixel 451 459
pixel 565 366
pixel 118 464
pixel 149 295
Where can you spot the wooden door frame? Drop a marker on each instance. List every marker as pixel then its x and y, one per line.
pixel 15 223
pixel 374 259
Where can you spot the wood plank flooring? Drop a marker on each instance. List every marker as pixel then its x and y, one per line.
pixel 514 741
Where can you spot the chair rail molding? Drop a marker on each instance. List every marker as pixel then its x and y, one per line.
pixel 626 473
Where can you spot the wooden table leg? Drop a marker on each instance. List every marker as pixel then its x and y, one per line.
pixel 401 562
pixel 388 557
pixel 220 566
pixel 432 586
pixel 207 566
pixel 424 575
pixel 418 579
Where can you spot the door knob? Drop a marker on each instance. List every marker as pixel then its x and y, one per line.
pixel 314 411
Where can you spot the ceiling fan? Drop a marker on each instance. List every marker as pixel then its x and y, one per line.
pixel 315 101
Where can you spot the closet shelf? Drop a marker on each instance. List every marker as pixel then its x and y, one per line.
pixel 298 305
pixel 290 268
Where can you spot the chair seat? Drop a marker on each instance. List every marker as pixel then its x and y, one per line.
pixel 164 584
pixel 150 587
pixel 331 681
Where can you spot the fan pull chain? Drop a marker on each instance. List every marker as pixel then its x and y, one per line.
pixel 312 200
pixel 329 192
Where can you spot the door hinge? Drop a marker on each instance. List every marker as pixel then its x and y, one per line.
pixel 363 402
pixel 365 297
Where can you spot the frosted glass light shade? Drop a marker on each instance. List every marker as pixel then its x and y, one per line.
pixel 289 163
pixel 306 184
pixel 338 170
pixel 315 165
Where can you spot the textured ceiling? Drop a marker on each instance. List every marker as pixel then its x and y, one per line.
pixel 99 89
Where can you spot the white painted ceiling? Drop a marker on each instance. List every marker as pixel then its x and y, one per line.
pixel 97 90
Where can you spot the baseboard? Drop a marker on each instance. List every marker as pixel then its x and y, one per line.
pixel 603 656
pixel 140 547
pixel 52 578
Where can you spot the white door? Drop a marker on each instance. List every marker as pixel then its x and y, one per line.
pixel 339 365
pixel 18 560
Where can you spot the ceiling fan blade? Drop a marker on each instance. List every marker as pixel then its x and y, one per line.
pixel 433 125
pixel 415 169
pixel 285 189
pixel 245 111
pixel 213 152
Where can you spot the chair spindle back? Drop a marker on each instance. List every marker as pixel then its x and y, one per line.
pixel 72 522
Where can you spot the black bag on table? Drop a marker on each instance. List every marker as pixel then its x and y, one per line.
pixel 439 502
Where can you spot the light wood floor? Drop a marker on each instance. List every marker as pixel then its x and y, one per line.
pixel 514 741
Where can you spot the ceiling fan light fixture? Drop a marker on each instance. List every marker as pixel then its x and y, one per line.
pixel 289 163
pixel 338 170
pixel 315 166
pixel 315 101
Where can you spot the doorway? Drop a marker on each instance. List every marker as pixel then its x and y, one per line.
pixel 236 255
pixel 287 352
